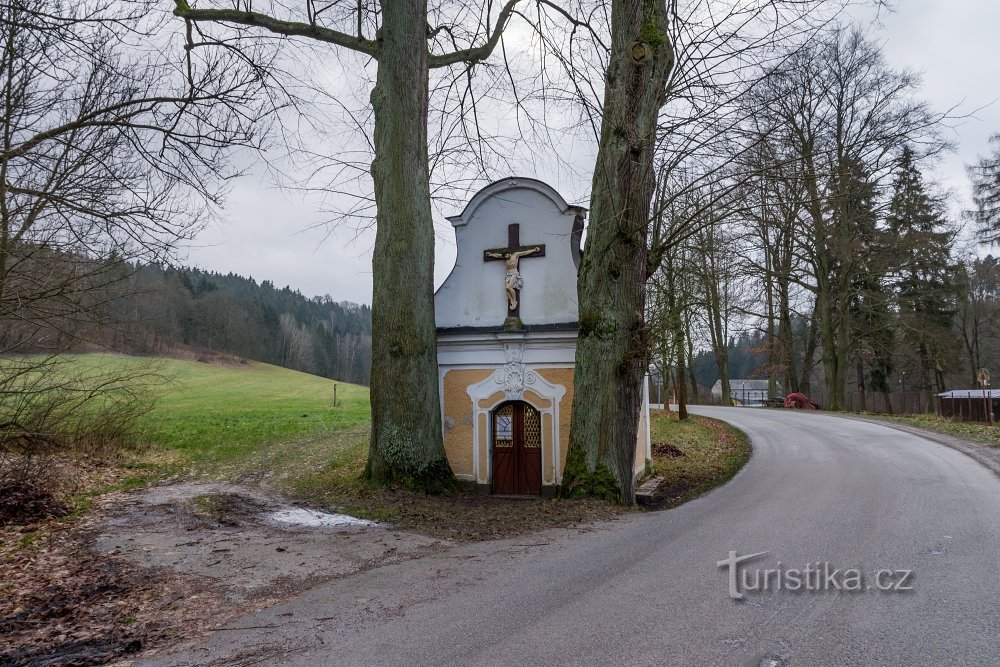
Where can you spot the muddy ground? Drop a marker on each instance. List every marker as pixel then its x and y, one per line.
pixel 145 569
pixel 228 536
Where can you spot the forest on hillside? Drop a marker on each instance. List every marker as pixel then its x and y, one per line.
pixel 191 308
pixel 152 309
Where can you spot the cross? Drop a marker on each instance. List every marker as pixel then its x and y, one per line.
pixel 512 255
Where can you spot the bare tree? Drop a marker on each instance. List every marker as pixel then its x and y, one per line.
pixel 986 191
pixel 406 442
pixel 977 314
pixel 700 59
pixel 612 354
pixel 836 114
pixel 113 148
pixel 672 303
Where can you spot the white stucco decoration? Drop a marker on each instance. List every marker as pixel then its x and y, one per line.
pixel 527 378
pixel 513 376
pixel 474 294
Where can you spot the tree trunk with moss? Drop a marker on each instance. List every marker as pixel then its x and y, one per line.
pixel 406 443
pixel 612 349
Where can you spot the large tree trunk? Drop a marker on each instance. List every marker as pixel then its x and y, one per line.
pixel 682 399
pixel 828 339
pixel 714 317
pixel 809 353
pixel 611 354
pixel 843 355
pixel 770 271
pixel 887 399
pixel 406 441
pixel 924 394
pixel 786 338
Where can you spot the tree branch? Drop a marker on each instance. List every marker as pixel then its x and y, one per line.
pixel 477 53
pixel 277 26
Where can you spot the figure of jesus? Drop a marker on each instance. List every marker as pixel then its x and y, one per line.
pixel 512 281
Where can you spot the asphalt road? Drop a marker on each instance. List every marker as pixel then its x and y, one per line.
pixel 646 590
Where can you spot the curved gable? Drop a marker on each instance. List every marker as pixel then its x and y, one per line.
pixel 473 294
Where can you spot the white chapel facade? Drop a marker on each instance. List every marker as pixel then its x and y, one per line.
pixel 507 324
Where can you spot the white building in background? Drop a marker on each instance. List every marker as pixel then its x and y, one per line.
pixel 752 393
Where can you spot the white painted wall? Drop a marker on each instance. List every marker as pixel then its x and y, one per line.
pixel 473 294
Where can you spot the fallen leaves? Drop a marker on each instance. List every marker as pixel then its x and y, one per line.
pixel 25 502
pixel 62 604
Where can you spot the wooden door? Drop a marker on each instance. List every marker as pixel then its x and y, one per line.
pixel 517 449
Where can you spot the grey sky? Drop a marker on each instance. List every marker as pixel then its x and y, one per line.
pixel 268 232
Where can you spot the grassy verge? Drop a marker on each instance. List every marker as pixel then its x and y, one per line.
pixel 979 432
pixel 693 456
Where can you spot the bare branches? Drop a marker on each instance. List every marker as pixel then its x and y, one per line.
pixel 477 53
pixel 312 30
pixel 113 148
pixel 280 27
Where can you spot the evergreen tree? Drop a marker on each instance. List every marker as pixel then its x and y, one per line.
pixel 923 280
pixel 848 268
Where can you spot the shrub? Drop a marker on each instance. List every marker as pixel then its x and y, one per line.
pixel 54 407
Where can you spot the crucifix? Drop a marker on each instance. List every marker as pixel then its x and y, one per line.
pixel 512 255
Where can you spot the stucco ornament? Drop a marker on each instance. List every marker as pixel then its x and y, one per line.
pixel 513 377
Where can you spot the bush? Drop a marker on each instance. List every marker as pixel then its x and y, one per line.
pixel 52 407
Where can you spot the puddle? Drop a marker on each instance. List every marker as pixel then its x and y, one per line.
pixel 298 516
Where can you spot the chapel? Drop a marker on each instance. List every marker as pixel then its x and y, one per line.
pixel 507 323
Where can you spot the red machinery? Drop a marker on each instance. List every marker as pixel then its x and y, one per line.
pixel 800 402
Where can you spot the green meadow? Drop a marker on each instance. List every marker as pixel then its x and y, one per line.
pixel 247 420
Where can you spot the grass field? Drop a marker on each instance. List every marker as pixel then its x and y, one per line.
pixel 226 422
pixel 258 424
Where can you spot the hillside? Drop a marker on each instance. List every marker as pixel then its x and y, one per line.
pixel 164 310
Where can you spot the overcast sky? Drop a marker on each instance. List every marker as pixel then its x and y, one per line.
pixel 270 234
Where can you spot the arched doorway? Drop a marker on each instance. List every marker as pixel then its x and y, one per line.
pixel 517 449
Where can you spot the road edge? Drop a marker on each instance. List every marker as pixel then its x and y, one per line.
pixel 986 456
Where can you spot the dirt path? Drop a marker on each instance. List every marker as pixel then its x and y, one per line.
pixel 250 544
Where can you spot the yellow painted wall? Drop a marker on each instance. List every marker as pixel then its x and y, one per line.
pixel 495 398
pixel 458 426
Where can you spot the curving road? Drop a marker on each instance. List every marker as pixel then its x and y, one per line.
pixel 646 590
